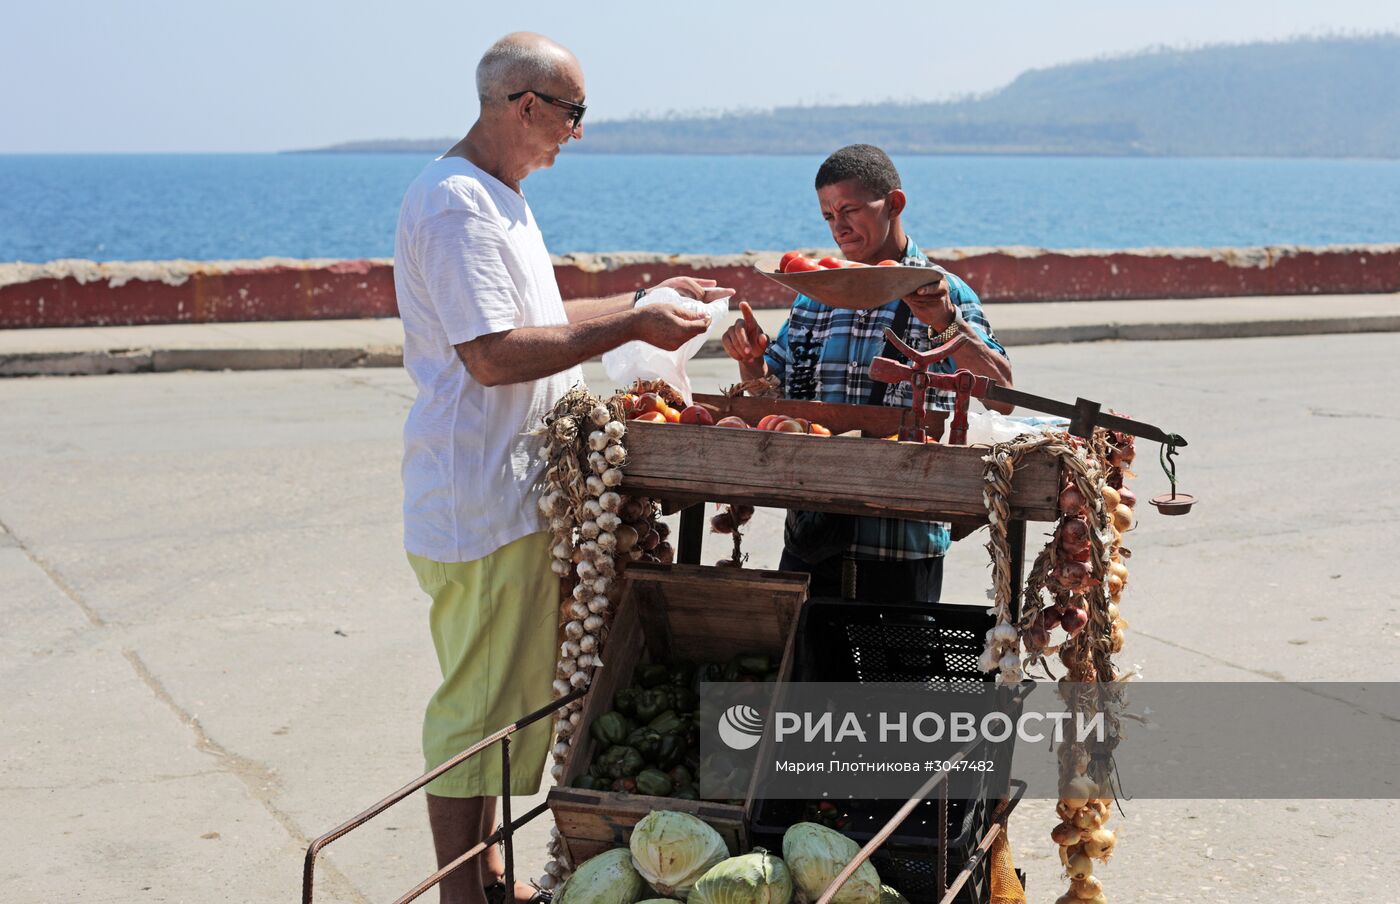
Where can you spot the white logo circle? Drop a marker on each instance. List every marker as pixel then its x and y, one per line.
pixel 740 726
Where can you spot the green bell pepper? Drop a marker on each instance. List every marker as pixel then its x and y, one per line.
pixel 652 703
pixel 611 728
pixel 590 783
pixel 626 701
pixel 687 701
pixel 710 671
pixel 683 675
pixel 731 671
pixel 754 664
pixel 646 741
pixel 681 776
pixel 652 675
pixel 654 782
pixel 622 761
pixel 668 723
pixel 672 750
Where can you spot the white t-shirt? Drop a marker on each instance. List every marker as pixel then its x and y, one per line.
pixel 469 260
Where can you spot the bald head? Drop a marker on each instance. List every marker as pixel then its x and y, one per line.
pixel 520 61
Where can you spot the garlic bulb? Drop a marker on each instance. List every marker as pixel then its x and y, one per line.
pixel 597 462
pixel 588 643
pixel 579 679
pixel 547 504
pixel 592 623
pixel 578 609
pixel 615 429
pixel 587 570
pixel 601 585
pixel 561 550
pixel 598 441
pixel 583 591
pixel 556 771
pixel 590 549
pixel 612 477
pixel 548 882
pixel 615 455
pixel 574 629
pixel 1009 663
pixel 598 604
pixel 561 687
pixel 559 524
pixel 1004 633
pixel 561 750
pixel 600 415
pixel 591 508
pixel 566 667
pixel 585 660
pixel 589 529
pixel 611 501
pixel 608 522
pixel 606 542
pixel 559 567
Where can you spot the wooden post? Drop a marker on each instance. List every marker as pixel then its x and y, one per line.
pixel 691 535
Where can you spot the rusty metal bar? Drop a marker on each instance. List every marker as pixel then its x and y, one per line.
pixel 895 822
pixel 319 844
pixel 444 872
pixel 984 847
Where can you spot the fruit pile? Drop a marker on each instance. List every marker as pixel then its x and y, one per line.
pixel 796 262
pixel 651 408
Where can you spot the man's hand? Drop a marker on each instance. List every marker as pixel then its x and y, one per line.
pixel 668 326
pixel 744 341
pixel 933 305
pixel 700 289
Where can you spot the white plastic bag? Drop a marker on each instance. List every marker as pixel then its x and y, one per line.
pixel 641 361
pixel 991 427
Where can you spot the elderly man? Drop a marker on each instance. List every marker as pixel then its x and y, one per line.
pixel 491 346
pixel 824 353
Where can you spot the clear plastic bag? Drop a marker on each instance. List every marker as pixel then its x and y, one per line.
pixel 989 427
pixel 639 360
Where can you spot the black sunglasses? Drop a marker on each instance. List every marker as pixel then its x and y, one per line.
pixel 576 111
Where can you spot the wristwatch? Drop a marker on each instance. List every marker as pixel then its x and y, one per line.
pixel 948 334
pixel 637 296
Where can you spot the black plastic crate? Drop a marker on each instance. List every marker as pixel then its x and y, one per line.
pixel 934 645
pixel 908 860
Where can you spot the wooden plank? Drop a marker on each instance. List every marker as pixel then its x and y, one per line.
pixel 871 420
pixel 840 474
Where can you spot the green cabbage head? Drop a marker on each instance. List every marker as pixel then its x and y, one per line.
pixel 757 878
pixel 673 850
pixel 816 855
pixel 608 878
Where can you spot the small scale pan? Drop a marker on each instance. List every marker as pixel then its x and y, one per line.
pixel 857 288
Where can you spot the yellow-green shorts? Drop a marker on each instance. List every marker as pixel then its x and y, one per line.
pixel 494 623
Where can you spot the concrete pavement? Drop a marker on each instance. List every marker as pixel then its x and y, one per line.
pixel 213 649
pixel 294 345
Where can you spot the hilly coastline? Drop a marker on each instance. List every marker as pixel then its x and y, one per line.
pixel 1323 97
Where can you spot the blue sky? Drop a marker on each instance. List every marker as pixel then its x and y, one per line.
pixel 205 75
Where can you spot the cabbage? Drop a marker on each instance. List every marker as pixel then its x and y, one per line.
pixel 672 850
pixel 757 878
pixel 816 855
pixel 606 879
pixel 889 896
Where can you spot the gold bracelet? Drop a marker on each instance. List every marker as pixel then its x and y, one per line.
pixel 947 335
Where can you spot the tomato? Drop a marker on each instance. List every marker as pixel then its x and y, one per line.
pixel 731 421
pixel 696 414
pixel 888 263
pixel 768 421
pixel 788 425
pixel 649 401
pixel 800 264
pixel 831 263
pixel 819 430
pixel 672 415
pixel 651 417
pixel 787 259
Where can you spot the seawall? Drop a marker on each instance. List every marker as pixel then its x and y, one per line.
pixel 74 293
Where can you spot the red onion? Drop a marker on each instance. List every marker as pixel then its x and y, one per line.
pixel 1071 500
pixel 1074 620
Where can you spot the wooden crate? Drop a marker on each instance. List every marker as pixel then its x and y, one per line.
pixel 700 614
pixel 930 481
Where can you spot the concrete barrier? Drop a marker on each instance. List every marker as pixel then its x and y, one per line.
pixel 86 293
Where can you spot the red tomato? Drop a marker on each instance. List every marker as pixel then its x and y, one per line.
pixel 831 263
pixel 783 264
pixel 800 264
pixel 888 263
pixel 697 415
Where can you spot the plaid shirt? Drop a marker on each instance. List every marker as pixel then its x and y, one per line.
pixel 824 354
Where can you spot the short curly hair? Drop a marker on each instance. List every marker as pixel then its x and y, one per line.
pixel 865 163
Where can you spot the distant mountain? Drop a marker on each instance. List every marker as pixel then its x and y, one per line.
pixel 1323 97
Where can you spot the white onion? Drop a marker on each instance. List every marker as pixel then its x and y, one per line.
pixel 612 477
pixel 597 441
pixel 611 501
